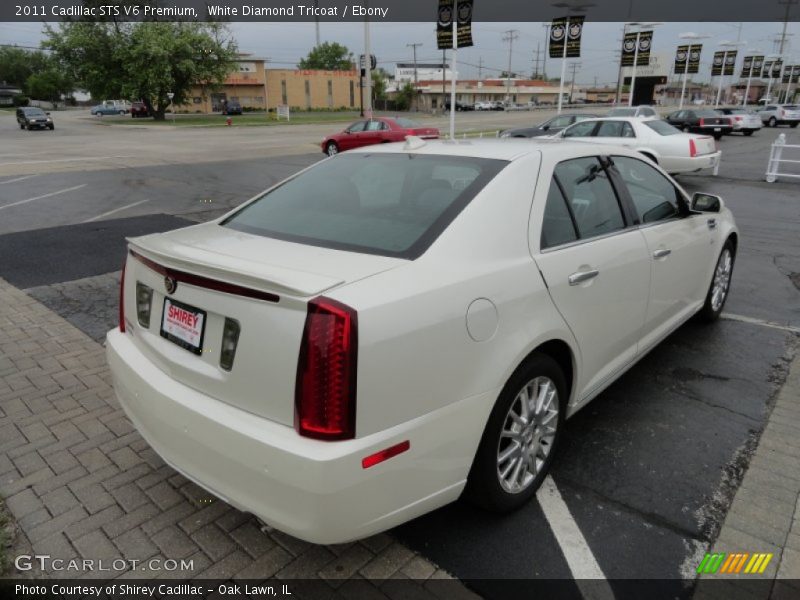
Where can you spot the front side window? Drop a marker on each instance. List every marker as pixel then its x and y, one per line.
pixel 653 195
pixel 389 204
pixel 357 127
pixel 591 197
pixel 558 122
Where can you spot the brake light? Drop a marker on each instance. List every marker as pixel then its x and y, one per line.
pixel 325 393
pixel 122 298
pixel 739 118
pixel 702 122
pixel 692 148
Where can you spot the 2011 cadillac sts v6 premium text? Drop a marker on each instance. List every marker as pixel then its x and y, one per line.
pixel 401 325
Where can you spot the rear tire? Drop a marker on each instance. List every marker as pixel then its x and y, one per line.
pixel 748 132
pixel 717 136
pixel 518 443
pixel 720 284
pixel 773 122
pixel 793 125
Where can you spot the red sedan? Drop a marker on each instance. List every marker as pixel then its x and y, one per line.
pixel 380 130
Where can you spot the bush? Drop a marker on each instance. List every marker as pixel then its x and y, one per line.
pixel 20 100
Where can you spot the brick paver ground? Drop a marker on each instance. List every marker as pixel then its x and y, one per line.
pixel 81 483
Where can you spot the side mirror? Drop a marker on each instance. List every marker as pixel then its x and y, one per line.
pixel 47 113
pixel 706 202
pixel 545 127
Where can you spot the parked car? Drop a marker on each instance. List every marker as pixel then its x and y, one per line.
pixel 498 105
pixel 780 114
pixel 642 112
pixel 548 127
pixel 668 147
pixel 460 106
pixel 231 108
pixel 375 131
pixel 743 120
pixel 139 110
pixel 486 105
pixel 403 324
pixel 32 117
pixel 108 109
pixel 705 120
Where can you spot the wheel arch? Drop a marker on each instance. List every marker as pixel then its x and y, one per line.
pixel 563 354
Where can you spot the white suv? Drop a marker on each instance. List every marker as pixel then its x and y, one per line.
pixel 780 114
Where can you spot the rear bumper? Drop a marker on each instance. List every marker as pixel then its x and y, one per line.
pixel 314 490
pixel 687 164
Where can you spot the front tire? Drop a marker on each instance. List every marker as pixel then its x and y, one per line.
pixel 331 149
pixel 520 437
pixel 748 133
pixel 720 284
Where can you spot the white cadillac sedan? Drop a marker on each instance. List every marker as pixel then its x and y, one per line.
pixel 399 325
pixel 670 148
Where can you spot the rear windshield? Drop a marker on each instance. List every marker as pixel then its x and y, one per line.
pixel 708 113
pixel 662 127
pixel 390 204
pixel 622 112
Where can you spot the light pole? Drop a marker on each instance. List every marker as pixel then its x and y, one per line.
pixel 572 7
pixel 688 36
pixel 639 31
pixel 753 54
pixel 727 46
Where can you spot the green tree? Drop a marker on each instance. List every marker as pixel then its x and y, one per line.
pixel 144 60
pixel 379 77
pixel 50 84
pixel 330 56
pixel 18 64
pixel 405 96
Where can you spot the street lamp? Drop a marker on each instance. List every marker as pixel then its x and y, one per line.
pixel 572 6
pixel 640 27
pixel 688 36
pixel 727 46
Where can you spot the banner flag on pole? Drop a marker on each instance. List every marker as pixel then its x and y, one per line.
pixel 448 10
pixel 560 34
pixel 629 49
pixel 730 62
pixel 716 65
pixel 693 57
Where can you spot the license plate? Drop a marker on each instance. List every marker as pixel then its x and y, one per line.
pixel 717 128
pixel 184 325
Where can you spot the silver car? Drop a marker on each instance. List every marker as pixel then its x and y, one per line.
pixel 780 114
pixel 743 120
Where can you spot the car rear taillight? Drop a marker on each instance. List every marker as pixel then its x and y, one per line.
pixel 692 148
pixel 739 118
pixel 325 394
pixel 230 339
pixel 702 122
pixel 144 300
pixel 122 298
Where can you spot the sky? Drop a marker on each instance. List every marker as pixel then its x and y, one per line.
pixel 285 43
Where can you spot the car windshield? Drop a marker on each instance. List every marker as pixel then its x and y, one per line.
pixel 406 123
pixel 390 204
pixel 36 112
pixel 662 127
pixel 622 112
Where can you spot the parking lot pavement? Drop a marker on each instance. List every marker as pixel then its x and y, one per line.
pixel 647 472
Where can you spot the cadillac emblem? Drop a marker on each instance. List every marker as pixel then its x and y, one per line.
pixel 170 284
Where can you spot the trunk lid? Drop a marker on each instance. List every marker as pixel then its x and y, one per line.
pixel 261 283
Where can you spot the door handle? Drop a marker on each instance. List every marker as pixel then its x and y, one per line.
pixel 712 223
pixel 662 253
pixel 582 276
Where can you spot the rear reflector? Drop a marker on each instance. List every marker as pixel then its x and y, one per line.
pixel 122 299
pixel 692 148
pixel 379 457
pixel 325 393
pixel 702 122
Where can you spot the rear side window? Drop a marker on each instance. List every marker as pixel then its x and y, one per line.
pixel 653 195
pixel 615 129
pixel 390 204
pixel 357 127
pixel 557 227
pixel 590 196
pixel 582 129
pixel 662 127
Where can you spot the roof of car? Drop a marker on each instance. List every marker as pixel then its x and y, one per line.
pixel 501 149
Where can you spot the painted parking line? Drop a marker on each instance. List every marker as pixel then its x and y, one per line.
pixel 762 322
pixel 23 178
pixel 72 189
pixel 587 573
pixel 116 210
pixel 60 160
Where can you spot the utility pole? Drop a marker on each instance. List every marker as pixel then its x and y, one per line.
pixel 619 72
pixel 788 4
pixel 480 68
pixel 574 66
pixel 416 81
pixel 509 36
pixel 444 76
pixel 546 27
pixel 536 60
pixel 316 21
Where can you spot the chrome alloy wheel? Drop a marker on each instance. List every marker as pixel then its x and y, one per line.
pixel 528 434
pixel 722 279
pixel 332 149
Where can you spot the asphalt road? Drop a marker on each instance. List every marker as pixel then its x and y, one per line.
pixel 646 470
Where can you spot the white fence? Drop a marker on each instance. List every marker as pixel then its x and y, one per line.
pixel 776 159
